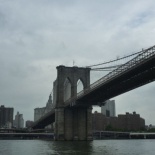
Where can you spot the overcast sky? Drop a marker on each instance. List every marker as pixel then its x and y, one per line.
pixel 38 35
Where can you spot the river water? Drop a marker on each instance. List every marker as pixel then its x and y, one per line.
pixel 96 147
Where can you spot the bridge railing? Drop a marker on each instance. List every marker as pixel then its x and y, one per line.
pixel 143 56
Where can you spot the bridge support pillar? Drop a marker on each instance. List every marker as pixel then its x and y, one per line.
pixel 89 124
pixel 73 124
pixel 68 124
pixel 59 124
pixel 82 123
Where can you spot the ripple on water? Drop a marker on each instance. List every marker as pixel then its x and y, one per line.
pixel 96 147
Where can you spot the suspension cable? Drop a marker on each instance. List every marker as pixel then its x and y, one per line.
pixel 115 59
pixel 109 67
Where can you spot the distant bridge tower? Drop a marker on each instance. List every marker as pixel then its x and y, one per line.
pixel 71 123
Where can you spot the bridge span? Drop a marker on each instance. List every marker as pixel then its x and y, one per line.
pixel 72 115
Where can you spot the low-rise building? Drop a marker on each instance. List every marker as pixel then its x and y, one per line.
pixel 127 122
pixel 28 123
pixel 98 121
pixel 131 122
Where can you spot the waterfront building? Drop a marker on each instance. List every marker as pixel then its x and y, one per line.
pixel 28 123
pixel 19 121
pixel 127 122
pixel 131 122
pixel 98 121
pixel 109 108
pixel 6 117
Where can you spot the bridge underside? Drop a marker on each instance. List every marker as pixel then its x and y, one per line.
pixel 129 80
pixel 47 119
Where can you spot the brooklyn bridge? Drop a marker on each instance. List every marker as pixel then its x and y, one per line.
pixel 72 111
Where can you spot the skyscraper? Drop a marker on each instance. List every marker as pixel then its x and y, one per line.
pixel 39 112
pixel 109 108
pixel 6 117
pixel 19 121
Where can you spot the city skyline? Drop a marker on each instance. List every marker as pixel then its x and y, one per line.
pixel 37 36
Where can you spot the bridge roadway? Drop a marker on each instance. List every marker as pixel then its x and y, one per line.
pixel 133 74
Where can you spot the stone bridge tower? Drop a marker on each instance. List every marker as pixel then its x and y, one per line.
pixel 71 123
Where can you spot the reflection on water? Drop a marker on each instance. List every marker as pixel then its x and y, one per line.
pixel 81 148
pixel 96 147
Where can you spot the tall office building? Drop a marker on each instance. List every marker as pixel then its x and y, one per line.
pixel 39 112
pixel 109 108
pixel 6 117
pixel 19 121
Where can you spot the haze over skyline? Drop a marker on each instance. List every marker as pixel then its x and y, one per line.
pixel 36 36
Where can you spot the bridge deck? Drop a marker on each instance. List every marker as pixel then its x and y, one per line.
pixel 135 73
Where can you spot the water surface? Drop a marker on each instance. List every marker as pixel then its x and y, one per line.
pixel 96 147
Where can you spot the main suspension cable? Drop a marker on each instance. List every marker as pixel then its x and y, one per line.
pixel 115 59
